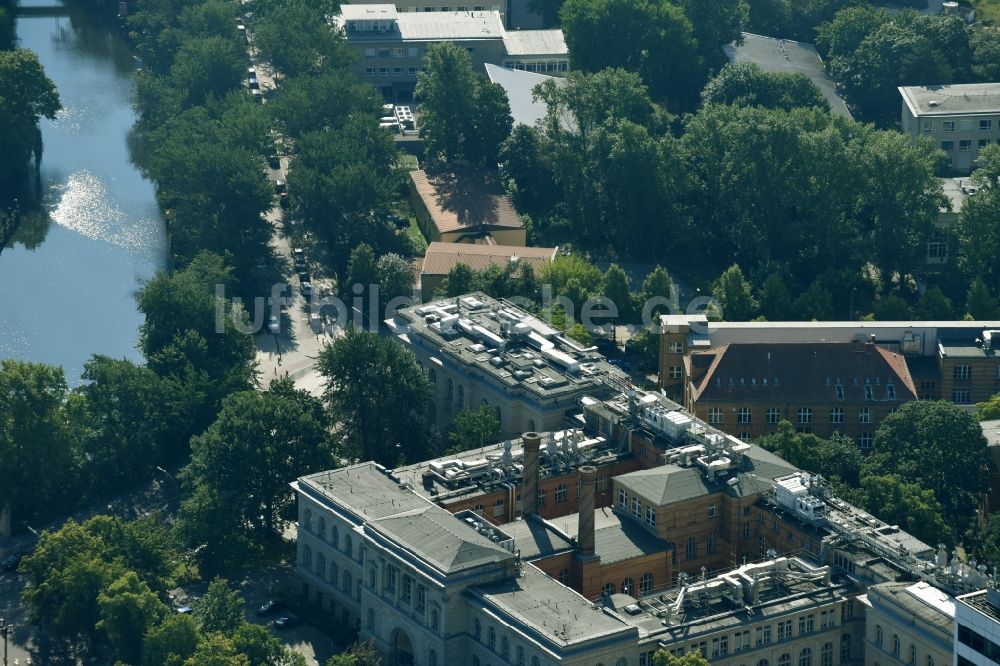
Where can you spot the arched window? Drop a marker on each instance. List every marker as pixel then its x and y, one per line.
pixel 895 644
pixel 826 654
pixel 806 657
pixel 321 529
pixel 307 519
pixel 504 647
pixel 692 548
pixel 477 629
pixel 534 661
pixel 335 536
pixel 785 659
pixel 845 649
pixel 763 662
pixel 622 661
pixel 307 557
pixel 491 638
pixel 475 660
pixel 320 564
pixel 646 583
pixel 348 545
pixel 432 658
pixel 564 575
pixel 878 635
pixel 608 589
pixel 333 577
pixel 371 618
pixel 519 660
pixel 628 586
pixel 371 577
pixel 930 660
pixel 346 584
pixel 432 375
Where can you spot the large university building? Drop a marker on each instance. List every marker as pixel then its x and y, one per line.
pixel 960 119
pixel 633 527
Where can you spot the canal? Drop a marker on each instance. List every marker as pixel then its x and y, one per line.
pixel 68 285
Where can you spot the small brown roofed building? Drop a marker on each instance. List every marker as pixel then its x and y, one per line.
pixel 440 258
pixel 463 207
pixel 823 388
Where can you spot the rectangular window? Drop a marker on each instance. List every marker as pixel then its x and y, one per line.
pixel 384 53
pixel 390 579
pixel 948 125
pixel 965 144
pixel 743 415
pixel 710 546
pixel 636 508
pixel 961 397
pixel 383 71
pixel 541 498
pixel 869 394
pixel 711 511
pixel 965 125
pixel 947 145
pixel 369 71
pixel 675 372
pixel 784 630
pixel 764 635
pixel 928 126
pixel 773 414
pixel 421 598
pixel 715 415
pixel 407 595
pixel 397 71
pixel 560 494
pixel 370 53
pixel 961 372
pixel 651 516
pixel 837 415
pixel 985 125
pixel 982 143
pixel 398 53
pixel 865 440
pixel 676 347
pixel 805 415
pixel 622 499
pixel 865 415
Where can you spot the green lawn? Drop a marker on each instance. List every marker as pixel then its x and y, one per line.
pixel 987 9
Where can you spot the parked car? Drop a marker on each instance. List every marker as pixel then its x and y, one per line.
pixel 273 325
pixel 306 289
pixel 268 607
pixel 11 562
pixel 315 323
pixel 398 220
pixel 280 186
pixel 304 277
pixel 283 199
pixel 286 621
pixel 184 610
pixel 273 162
pixel 621 364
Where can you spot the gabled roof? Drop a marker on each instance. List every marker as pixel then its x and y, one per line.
pixel 442 257
pixel 465 200
pixel 800 372
pixel 395 512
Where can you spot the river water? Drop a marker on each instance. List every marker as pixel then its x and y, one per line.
pixel 68 286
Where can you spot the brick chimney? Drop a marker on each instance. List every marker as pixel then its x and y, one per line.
pixel 585 533
pixel 531 441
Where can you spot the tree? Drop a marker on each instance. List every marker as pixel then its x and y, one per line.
pixel 206 66
pixel 935 306
pixel 460 280
pixel 361 267
pixel 989 410
pixel 447 93
pixel 744 83
pixel 473 429
pixel 128 609
pixel 221 609
pixel 664 658
pixel 38 446
pixel 172 642
pixel 735 295
pixel 26 95
pixel 815 303
pixel 775 299
pixel 915 509
pixel 979 302
pixel 263 648
pixel 977 233
pixel 616 289
pixel 312 103
pixel 259 441
pixel 217 650
pixel 838 458
pixel 657 284
pixel 986 54
pixel 528 172
pixel 892 307
pixel 296 38
pixel 395 277
pixel 359 654
pixel 341 184
pixel 491 125
pixel 716 23
pixel 574 278
pixel 380 395
pixel 938 446
pixel 650 37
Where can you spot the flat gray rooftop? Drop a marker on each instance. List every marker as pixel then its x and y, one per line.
pixel 960 99
pixel 516 350
pixel 535 42
pixel 782 56
pixel 557 614
pixel 524 108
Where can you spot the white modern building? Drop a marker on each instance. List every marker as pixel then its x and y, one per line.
pixel 960 119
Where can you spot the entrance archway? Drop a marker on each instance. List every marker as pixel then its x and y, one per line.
pixel 402 649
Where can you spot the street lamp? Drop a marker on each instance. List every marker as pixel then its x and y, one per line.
pixel 6 629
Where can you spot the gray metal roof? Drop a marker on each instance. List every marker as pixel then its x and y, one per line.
pixel 519 86
pixel 960 99
pixel 555 613
pixel 367 12
pixel 388 508
pixel 535 42
pixel 935 607
pixel 617 538
pixel 429 26
pixel 783 56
